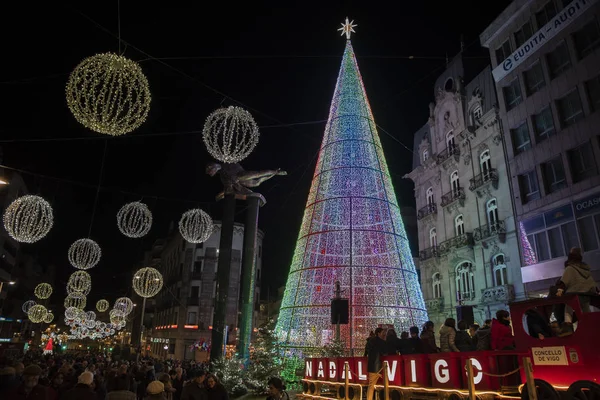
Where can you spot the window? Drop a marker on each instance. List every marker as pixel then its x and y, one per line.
pixel 259 251
pixel 512 94
pixel 587 39
pixel 477 112
pixel 523 34
pixel 569 108
pixel 558 60
pixel 499 270
pixel 492 213
pixel 592 88
pixel 589 228
pixel 195 291
pixel 554 175
pixel 544 16
pixel 543 124
pixel 544 239
pixel 455 183
pixel 459 225
pixel 534 78
pixel 430 196
pixel 582 163
pixel 485 164
pixel 432 237
pixel 520 138
pixel 450 142
pixel 437 286
pixel 191 318
pixel 503 52
pixel 425 155
pixel 465 281
pixel 529 187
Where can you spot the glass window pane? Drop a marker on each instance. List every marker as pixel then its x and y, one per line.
pixel 587 233
pixel 569 234
pixel 556 243
pixel 541 245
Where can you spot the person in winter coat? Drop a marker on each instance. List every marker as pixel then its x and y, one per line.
pixel 214 389
pixel 482 339
pixel 83 389
pixel 392 342
pixel 412 344
pixel 577 278
pixel 448 336
pixel 502 337
pixel 463 340
pixel 537 325
pixel 428 338
pixel 277 389
pixel 376 347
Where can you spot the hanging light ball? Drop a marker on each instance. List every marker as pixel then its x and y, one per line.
pixel 124 305
pixel 230 134
pixel 134 219
pixel 37 313
pixel 76 300
pixel 102 305
pixel 147 282
pixel 27 306
pixel 196 226
pixel 48 318
pixel 28 219
pixel 84 254
pixel 108 94
pixel 43 291
pixel 79 282
pixel 71 312
pixel 90 315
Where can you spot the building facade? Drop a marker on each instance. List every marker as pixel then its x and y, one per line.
pixel 466 228
pixel 184 309
pixel 546 62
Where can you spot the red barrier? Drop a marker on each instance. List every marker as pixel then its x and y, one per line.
pixel 395 370
pixel 446 370
pixel 351 365
pixel 484 362
pixel 416 370
pixel 310 368
pixel 361 370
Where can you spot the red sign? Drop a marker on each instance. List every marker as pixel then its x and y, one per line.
pixel 445 370
pixel 394 370
pixel 416 370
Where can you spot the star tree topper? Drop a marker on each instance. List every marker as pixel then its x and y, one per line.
pixel 347 28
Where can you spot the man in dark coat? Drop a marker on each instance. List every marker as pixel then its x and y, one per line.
pixel 83 390
pixel 29 388
pixel 194 390
pixel 376 347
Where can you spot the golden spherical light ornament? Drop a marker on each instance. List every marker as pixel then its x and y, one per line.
pixel 109 94
pixel 76 300
pixel 28 219
pixel 123 305
pixel 196 226
pixel 79 282
pixel 230 134
pixel 102 305
pixel 134 219
pixel 84 254
pixel 147 282
pixel 48 318
pixel 37 313
pixel 43 291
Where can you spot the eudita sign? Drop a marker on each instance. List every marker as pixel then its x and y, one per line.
pixel 541 37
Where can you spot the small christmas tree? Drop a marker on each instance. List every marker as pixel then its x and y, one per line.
pixel 336 348
pixel 528 253
pixel 265 359
pixel 231 373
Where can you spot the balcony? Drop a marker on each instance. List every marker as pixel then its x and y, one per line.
pixel 453 196
pixel 490 230
pixel 481 182
pixel 429 209
pixel 428 253
pixel 435 305
pixel 449 154
pixel 498 294
pixel 457 242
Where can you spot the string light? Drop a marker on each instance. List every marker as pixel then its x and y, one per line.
pixel 28 219
pixel 147 282
pixel 43 291
pixel 230 134
pixel 27 306
pixel 79 282
pixel 109 94
pixel 90 315
pixel 134 219
pixel 352 232
pixel 71 312
pixel 196 226
pixel 123 305
pixel 84 254
pixel 76 300
pixel 102 305
pixel 48 318
pixel 37 313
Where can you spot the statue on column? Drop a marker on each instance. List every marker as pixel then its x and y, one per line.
pixel 236 180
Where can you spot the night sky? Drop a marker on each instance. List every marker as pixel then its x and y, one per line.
pixel 278 62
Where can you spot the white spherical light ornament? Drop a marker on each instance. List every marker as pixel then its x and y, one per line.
pixel 230 134
pixel 76 300
pixel 147 282
pixel 109 94
pixel 48 318
pixel 43 291
pixel 123 305
pixel 79 282
pixel 196 226
pixel 27 306
pixel 71 312
pixel 134 219
pixel 84 254
pixel 102 305
pixel 90 315
pixel 37 313
pixel 28 219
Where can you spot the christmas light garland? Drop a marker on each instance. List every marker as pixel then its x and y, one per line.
pixel 134 219
pixel 43 291
pixel 37 313
pixel 28 219
pixel 196 226
pixel 84 254
pixel 79 282
pixel 230 134
pixel 147 282
pixel 102 305
pixel 48 318
pixel 76 300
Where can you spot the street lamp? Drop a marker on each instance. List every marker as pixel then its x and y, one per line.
pixel 9 282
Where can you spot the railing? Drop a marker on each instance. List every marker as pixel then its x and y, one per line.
pixel 435 304
pixel 489 230
pixel 466 239
pixel 428 253
pixel 462 296
pixel 490 176
pixel 429 209
pixel 498 294
pixel 448 152
pixel 452 196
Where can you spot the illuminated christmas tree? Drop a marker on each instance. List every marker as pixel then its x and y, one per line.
pixel 352 232
pixel 528 253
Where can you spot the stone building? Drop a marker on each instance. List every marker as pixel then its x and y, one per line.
pixel 467 240
pixel 546 58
